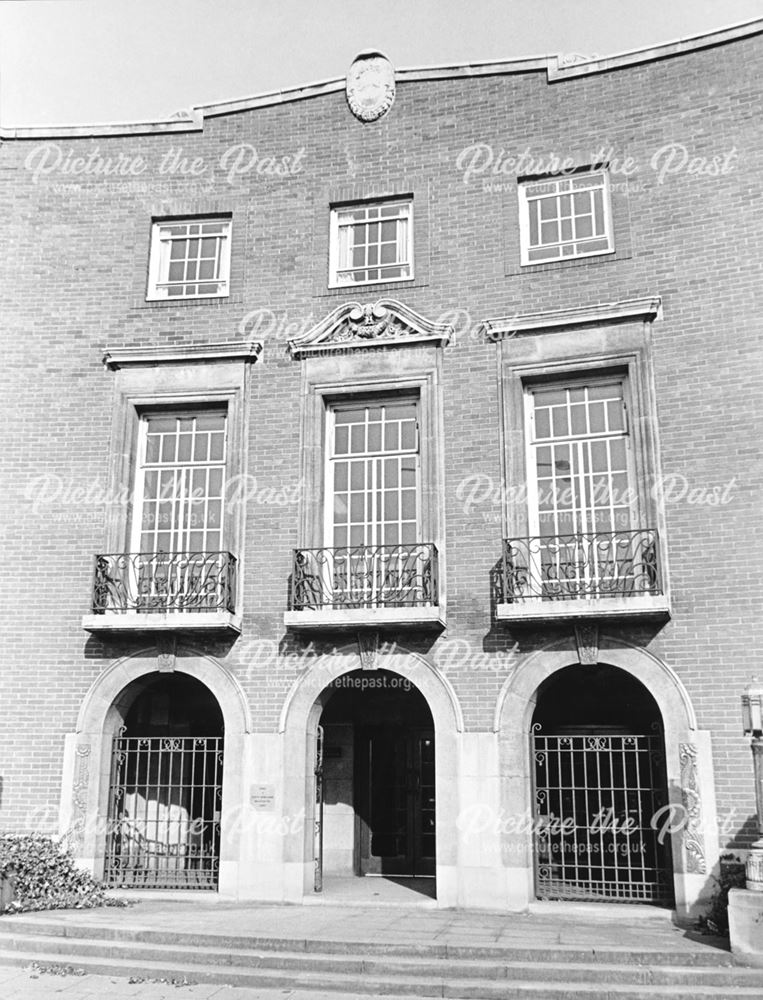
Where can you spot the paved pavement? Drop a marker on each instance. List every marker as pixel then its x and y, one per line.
pixel 598 927
pixel 595 925
pixel 31 984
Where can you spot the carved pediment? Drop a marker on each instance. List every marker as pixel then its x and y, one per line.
pixel 383 323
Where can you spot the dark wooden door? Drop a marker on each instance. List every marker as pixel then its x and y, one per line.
pixel 395 801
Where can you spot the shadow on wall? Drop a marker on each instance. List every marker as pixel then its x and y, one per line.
pixel 106 652
pixel 709 923
pixel 504 635
pixel 712 925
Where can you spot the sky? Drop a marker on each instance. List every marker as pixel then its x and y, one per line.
pixel 83 61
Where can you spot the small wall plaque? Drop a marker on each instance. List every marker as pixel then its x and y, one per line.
pixel 263 797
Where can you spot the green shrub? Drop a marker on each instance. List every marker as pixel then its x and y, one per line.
pixel 46 876
pixel 732 876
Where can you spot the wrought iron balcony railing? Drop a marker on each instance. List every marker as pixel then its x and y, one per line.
pixel 158 582
pixel 582 566
pixel 382 576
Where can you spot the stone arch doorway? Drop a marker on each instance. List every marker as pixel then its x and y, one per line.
pixel 375 781
pixel 299 726
pixel 165 786
pixel 693 839
pixel 599 781
pixel 88 752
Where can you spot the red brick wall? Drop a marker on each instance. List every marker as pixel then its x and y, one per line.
pixel 74 273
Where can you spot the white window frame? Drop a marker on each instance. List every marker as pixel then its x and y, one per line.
pixel 584 513
pixel 557 187
pixel 183 504
pixel 330 458
pixel 383 563
pixel 159 261
pixel 336 265
pixel 532 442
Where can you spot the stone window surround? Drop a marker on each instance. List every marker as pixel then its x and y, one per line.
pixel 619 344
pixel 180 378
pixel 413 370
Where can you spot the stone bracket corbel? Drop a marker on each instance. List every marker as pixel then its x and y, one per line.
pixel 587 641
pixel 368 648
pixel 166 653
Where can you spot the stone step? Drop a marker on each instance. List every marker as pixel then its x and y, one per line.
pixel 72 948
pixel 710 955
pixel 388 986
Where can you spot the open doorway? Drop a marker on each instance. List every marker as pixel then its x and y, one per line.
pixel 375 783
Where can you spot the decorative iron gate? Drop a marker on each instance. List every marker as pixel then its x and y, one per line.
pixel 318 824
pixel 164 813
pixel 595 798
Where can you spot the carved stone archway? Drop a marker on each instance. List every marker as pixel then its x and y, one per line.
pixel 87 756
pixel 298 726
pixel 691 794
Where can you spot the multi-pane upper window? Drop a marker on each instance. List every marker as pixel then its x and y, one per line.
pixel 372 555
pixel 189 259
pixel 373 473
pixel 371 243
pixel 180 483
pixel 580 464
pixel 565 217
pixel 585 538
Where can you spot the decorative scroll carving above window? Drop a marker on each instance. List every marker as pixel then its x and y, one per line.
pixel 382 323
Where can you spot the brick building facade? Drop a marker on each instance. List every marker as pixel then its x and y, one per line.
pixel 381 471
